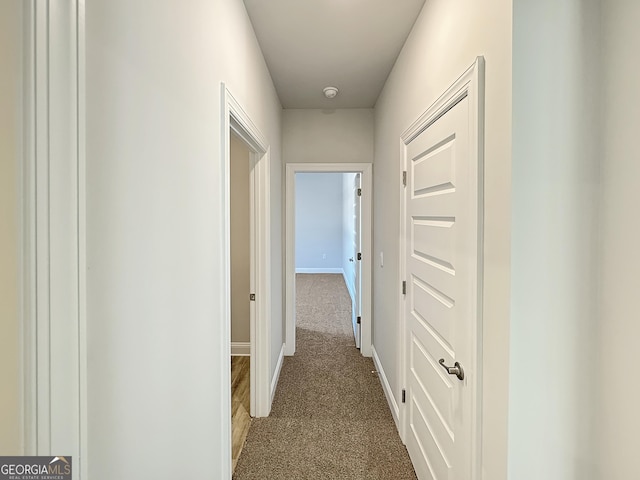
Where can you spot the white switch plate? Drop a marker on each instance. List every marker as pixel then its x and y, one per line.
pixel 381 259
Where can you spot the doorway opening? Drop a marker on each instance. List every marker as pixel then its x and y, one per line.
pixel 240 246
pixel 327 240
pixel 247 302
pixel 328 231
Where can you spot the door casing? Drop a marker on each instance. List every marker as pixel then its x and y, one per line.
pixel 365 169
pixel 470 84
pixel 53 210
pixel 237 120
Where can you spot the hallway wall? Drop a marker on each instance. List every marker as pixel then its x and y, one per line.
pixel 327 136
pixel 618 392
pixel 444 42
pixel 155 279
pixel 319 212
pixel 11 371
pixel 554 271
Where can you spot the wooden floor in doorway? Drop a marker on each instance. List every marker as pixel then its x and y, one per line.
pixel 240 404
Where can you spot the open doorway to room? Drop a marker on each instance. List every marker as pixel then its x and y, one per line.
pixel 328 252
pixel 240 247
pixel 246 324
pixel 327 244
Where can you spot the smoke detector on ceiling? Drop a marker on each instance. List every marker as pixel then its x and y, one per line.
pixel 330 92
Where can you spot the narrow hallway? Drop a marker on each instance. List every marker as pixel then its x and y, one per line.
pixel 330 418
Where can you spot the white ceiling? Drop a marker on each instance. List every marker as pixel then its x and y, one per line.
pixel 350 44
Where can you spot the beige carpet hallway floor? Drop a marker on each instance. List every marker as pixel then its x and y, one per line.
pixel 330 418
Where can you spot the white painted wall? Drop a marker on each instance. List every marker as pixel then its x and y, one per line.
pixel 155 223
pixel 319 219
pixel 554 271
pixel 327 136
pixel 618 389
pixel 348 232
pixel 11 373
pixel 240 242
pixel 444 42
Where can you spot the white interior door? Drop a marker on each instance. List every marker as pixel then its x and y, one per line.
pixel 441 296
pixel 357 248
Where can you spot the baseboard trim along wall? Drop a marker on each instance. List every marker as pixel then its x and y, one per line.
pixel 240 349
pixel 320 270
pixel 276 374
pixel 388 392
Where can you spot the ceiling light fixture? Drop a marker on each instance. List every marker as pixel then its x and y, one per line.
pixel 330 92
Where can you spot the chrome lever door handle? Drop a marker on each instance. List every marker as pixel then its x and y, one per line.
pixel 456 370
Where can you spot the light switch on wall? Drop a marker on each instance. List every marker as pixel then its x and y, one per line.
pixel 381 259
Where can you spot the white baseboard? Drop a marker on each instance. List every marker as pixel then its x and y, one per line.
pixel 276 374
pixel 388 392
pixel 289 351
pixel 320 270
pixel 240 349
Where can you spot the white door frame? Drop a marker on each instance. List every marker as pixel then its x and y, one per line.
pixel 236 119
pixel 54 232
pixel 471 85
pixel 365 169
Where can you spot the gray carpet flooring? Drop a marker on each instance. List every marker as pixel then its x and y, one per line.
pixel 330 418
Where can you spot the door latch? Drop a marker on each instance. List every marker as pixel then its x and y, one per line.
pixel 456 370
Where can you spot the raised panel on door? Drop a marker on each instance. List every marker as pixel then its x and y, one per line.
pixel 425 371
pixel 435 311
pixel 433 457
pixel 433 170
